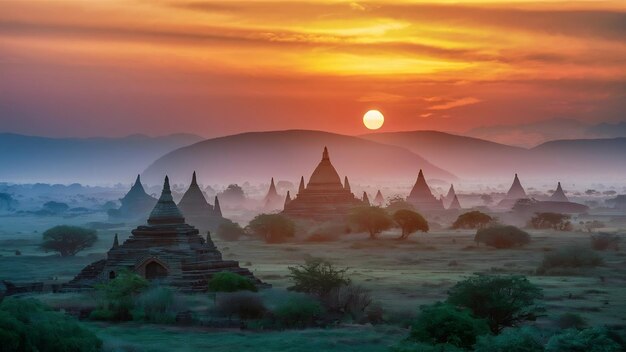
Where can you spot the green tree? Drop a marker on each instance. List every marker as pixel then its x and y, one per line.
pixel 443 323
pixel 68 240
pixel 119 296
pixel 274 228
pixel 555 221
pixel 398 203
pixel 317 277
pixel 410 221
pixel 503 300
pixel 587 340
pixel 230 231
pixel 374 220
pixel 502 236
pixel 226 281
pixel 472 220
pixel 298 312
pixel 511 340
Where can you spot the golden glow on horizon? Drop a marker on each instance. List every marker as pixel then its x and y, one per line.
pixel 373 119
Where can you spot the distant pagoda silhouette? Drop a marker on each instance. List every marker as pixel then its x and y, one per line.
pixel 559 195
pixel 515 193
pixel 324 197
pixel 455 204
pixel 136 204
pixel 379 200
pixel 422 198
pixel 167 249
pixel 272 200
pixel 450 196
pixel 197 210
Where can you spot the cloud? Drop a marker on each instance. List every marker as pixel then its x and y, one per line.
pixel 455 103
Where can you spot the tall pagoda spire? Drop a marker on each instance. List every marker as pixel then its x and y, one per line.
pixel 116 242
pixel 325 177
pixel 455 205
pixel 346 184
pixel 325 154
pixel 516 191
pixel 193 179
pixel 379 199
pixel 366 199
pixel 287 198
pixel 559 195
pixel 216 208
pixel 421 197
pixel 166 211
pixel 301 187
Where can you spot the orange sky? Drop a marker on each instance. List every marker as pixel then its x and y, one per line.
pixel 85 68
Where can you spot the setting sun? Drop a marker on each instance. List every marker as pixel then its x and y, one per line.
pixel 373 119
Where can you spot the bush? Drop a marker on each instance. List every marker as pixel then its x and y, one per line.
pixel 511 340
pixel 68 240
pixel 472 220
pixel 570 257
pixel 230 282
pixel 588 340
pixel 374 220
pixel 317 277
pixel 410 221
pixel 408 346
pixel 298 313
pixel 444 323
pixel 27 325
pixel 502 300
pixel 603 241
pixel 327 232
pixel 156 305
pixel 502 237
pixel 398 203
pixel 244 305
pixel 274 228
pixel 230 231
pixel 555 221
pixel 118 296
pixel 352 300
pixel 571 321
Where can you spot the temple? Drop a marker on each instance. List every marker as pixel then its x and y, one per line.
pixel 136 204
pixel 324 197
pixel 450 196
pixel 422 198
pixel 197 211
pixel 515 193
pixel 379 200
pixel 272 200
pixel 559 195
pixel 167 249
pixel 455 204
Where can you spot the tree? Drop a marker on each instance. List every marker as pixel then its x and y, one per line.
pixel 443 323
pixel 410 221
pixel 556 221
pixel 119 296
pixel 68 240
pixel 502 237
pixel 230 282
pixel 502 300
pixel 397 203
pixel 230 231
pixel 317 277
pixel 587 340
pixel 274 228
pixel 472 220
pixel 511 340
pixel 374 220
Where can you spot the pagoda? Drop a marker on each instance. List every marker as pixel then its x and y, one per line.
pixel 455 204
pixel 379 200
pixel 324 197
pixel 272 200
pixel 365 199
pixel 515 193
pixel 197 210
pixel 422 198
pixel 450 196
pixel 559 195
pixel 136 204
pixel 166 249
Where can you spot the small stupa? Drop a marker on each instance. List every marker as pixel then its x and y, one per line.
pixel 166 249
pixel 272 200
pixel 450 196
pixel 287 199
pixel 379 200
pixel 455 205
pixel 515 193
pixel 422 198
pixel 193 203
pixel 559 195
pixel 365 199
pixel 324 197
pixel 136 204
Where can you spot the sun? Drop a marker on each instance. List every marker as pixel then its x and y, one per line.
pixel 373 119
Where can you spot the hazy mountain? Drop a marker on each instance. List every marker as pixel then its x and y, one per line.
pixel 258 156
pixel 86 160
pixel 609 129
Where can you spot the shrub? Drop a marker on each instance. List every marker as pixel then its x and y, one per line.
pixel 398 203
pixel 317 277
pixel 444 323
pixel 410 221
pixel 502 237
pixel 588 340
pixel 156 305
pixel 472 220
pixel 603 241
pixel 575 257
pixel 230 231
pixel 326 232
pixel 503 301
pixel 571 321
pixel 374 220
pixel 118 296
pixel 68 240
pixel 408 346
pixel 555 221
pixel 230 282
pixel 352 300
pixel 243 304
pixel 511 340
pixel 298 313
pixel 274 228
pixel 27 325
